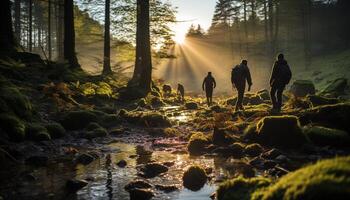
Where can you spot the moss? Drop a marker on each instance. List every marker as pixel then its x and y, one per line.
pixel 15 101
pixel 282 131
pixel 76 120
pixel 332 116
pixel 55 130
pixel 197 143
pixel 13 127
pixel 194 178
pixel 240 188
pixel 37 132
pixel 253 149
pixel 326 136
pixel 327 179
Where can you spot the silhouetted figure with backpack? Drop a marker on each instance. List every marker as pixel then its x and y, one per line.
pixel 239 76
pixel 181 91
pixel 280 77
pixel 208 85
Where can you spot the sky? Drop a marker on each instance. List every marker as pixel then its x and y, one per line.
pixel 193 12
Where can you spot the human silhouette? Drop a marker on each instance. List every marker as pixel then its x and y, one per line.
pixel 181 91
pixel 166 90
pixel 239 76
pixel 280 77
pixel 208 85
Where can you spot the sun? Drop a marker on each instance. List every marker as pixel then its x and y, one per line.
pixel 180 34
pixel 179 39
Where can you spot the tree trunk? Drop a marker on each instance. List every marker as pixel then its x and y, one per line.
pixel 49 30
pixel 107 42
pixel 143 63
pixel 266 22
pixel 271 23
pixel 30 42
pixel 69 35
pixel 7 40
pixel 245 24
pixel 59 30
pixel 276 31
pixel 18 20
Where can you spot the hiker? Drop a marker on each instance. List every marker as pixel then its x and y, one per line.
pixel 166 90
pixel 208 85
pixel 181 91
pixel 280 77
pixel 239 76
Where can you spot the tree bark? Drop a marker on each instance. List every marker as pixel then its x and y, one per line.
pixel 143 63
pixel 69 35
pixel 107 42
pixel 7 40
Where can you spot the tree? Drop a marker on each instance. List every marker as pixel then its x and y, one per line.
pixel 30 30
pixel 69 35
pixel 107 45
pixel 18 19
pixel 143 62
pixel 7 40
pixel 49 30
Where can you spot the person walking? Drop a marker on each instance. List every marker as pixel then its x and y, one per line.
pixel 239 76
pixel 181 92
pixel 208 85
pixel 280 77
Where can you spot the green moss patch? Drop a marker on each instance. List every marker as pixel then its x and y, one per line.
pixel 55 130
pixel 325 136
pixel 37 132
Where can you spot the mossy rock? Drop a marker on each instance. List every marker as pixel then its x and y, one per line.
pixel 142 102
pixel 131 93
pixel 281 131
pixel 194 178
pixel 13 127
pixel 76 120
pixel 336 88
pixel 301 88
pixel 253 149
pixel 18 103
pixel 191 106
pixel 155 120
pixel 96 133
pixel 241 188
pixel 37 132
pixel 109 120
pixel 332 116
pixel 55 130
pixel 92 126
pixel 316 100
pixel 221 138
pixel 197 144
pixel 325 136
pixel 327 179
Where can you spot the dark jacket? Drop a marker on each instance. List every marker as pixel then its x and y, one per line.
pixel 209 83
pixel 240 74
pixel 281 73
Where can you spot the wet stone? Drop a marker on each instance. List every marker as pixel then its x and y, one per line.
pixel 272 154
pixel 39 160
pixel 141 194
pixel 122 163
pixel 152 170
pixel 75 184
pixel 166 188
pixel 85 159
pixel 137 184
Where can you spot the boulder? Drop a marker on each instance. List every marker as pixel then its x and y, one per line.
pixel 75 120
pixel 221 138
pixel 13 127
pixel 15 101
pixel 336 88
pixel 235 150
pixel 167 188
pixel 191 106
pixel 152 170
pixel 141 194
pixel 301 88
pixel 327 137
pixel 85 159
pixel 197 144
pixel 253 149
pixel 37 132
pixel 194 178
pixel 55 130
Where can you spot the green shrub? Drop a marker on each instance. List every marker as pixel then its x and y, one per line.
pixel 325 136
pixel 37 132
pixel 55 130
pixel 194 178
pixel 240 188
pixel 13 127
pixel 76 120
pixel 327 179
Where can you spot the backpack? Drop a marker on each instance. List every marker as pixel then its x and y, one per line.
pixel 236 74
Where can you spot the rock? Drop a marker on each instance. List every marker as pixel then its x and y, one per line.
pixel 74 185
pixel 38 160
pixel 141 194
pixel 221 138
pixel 331 116
pixel 216 108
pixel 85 159
pixel 320 100
pixel 327 179
pixel 137 184
pixel 122 163
pixel 240 168
pixel 141 151
pixel 152 170
pixel 327 137
pixel 264 94
pixel 272 154
pixel 191 106
pixel 235 150
pixel 37 132
pixel 75 120
pixel 253 149
pixel 301 88
pixel 142 102
pixel 197 144
pixel 13 127
pixel 194 178
pixel 281 131
pixel 336 88
pixel 96 133
pixel 241 188
pixel 55 130
pixel 166 188
pixel 157 102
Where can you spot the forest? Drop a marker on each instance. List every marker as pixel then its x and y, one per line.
pixel 174 99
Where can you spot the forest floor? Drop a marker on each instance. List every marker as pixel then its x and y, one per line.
pixel 67 134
